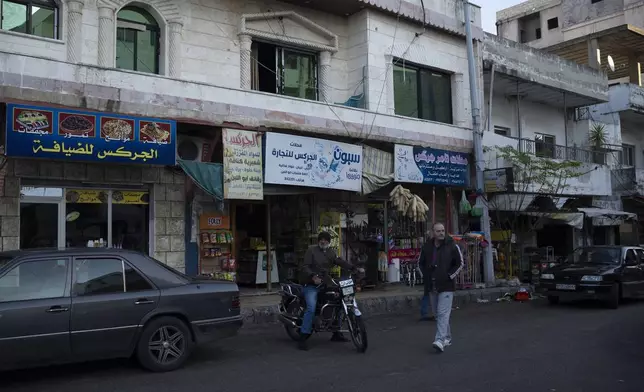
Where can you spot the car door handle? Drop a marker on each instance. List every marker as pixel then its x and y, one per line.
pixel 57 309
pixel 143 301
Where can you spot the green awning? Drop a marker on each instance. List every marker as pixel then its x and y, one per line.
pixel 207 176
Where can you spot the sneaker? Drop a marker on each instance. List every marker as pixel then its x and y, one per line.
pixel 438 346
pixel 447 342
pixel 302 343
pixel 427 318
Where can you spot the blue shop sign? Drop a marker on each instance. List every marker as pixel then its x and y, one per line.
pixel 53 133
pixel 431 166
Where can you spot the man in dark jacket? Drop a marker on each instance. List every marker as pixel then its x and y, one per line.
pixel 441 261
pixel 318 261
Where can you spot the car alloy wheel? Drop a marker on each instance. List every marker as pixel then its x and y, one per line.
pixel 167 344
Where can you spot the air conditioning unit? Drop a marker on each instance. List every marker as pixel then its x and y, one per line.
pixel 191 148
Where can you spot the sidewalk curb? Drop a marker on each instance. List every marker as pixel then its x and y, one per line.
pixel 375 306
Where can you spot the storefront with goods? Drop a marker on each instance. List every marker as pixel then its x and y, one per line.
pixel 76 178
pixel 431 185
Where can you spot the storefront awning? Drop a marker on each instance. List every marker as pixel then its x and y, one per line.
pixel 607 217
pixel 517 202
pixel 574 219
pixel 207 176
pixel 605 213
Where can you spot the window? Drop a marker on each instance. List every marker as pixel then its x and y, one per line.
pixel 33 280
pixel 553 23
pixel 134 281
pixel 284 71
pixel 640 255
pixel 538 33
pixel 503 131
pixel 627 156
pixel 544 145
pixel 422 93
pixel 33 17
pixel 595 1
pixel 137 41
pixel 106 276
pixel 98 276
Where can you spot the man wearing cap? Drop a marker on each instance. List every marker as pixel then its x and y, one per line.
pixel 318 260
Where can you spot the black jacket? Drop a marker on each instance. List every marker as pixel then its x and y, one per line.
pixel 320 262
pixel 449 262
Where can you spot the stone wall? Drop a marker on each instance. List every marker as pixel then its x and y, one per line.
pixel 167 193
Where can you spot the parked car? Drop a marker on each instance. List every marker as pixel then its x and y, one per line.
pixel 61 306
pixel 605 273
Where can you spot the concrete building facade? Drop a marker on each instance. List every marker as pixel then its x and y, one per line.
pixel 607 35
pixel 200 64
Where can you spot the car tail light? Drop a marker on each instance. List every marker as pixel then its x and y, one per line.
pixel 234 304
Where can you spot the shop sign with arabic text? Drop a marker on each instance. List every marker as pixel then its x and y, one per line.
pixel 319 163
pixel 55 133
pixel 242 165
pixel 431 166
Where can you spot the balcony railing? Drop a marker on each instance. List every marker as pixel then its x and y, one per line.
pixel 624 179
pixel 556 151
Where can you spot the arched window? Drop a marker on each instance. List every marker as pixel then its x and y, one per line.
pixel 137 40
pixel 34 17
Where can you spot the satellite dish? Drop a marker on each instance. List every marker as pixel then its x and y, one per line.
pixel 611 63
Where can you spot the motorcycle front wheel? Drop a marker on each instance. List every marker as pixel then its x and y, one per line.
pixel 358 332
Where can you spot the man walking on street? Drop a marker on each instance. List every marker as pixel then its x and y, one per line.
pixel 441 261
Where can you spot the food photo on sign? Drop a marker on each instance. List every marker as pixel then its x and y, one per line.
pixel 56 133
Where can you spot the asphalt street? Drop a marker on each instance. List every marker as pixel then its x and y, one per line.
pixel 509 347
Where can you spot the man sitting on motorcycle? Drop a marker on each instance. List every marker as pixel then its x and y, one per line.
pixel 318 260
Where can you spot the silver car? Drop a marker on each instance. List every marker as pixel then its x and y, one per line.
pixel 61 306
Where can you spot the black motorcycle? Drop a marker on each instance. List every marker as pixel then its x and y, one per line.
pixel 336 308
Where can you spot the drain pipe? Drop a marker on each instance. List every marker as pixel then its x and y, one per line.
pixel 477 137
pixel 489 108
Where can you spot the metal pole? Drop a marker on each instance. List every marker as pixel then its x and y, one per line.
pixel 565 124
pixel 269 260
pixel 519 130
pixel 478 145
pixel 489 113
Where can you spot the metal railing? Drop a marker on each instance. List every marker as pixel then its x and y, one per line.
pixel 556 151
pixel 623 179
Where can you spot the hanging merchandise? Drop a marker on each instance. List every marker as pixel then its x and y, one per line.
pixel 464 207
pixel 408 204
pixel 477 211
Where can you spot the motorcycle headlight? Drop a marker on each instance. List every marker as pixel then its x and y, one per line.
pixel 591 278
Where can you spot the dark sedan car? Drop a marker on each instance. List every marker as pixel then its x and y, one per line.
pixel 59 306
pixel 605 273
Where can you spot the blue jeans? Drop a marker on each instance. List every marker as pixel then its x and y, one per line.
pixel 311 298
pixel 425 307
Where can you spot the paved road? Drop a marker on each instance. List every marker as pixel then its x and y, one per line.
pixel 498 347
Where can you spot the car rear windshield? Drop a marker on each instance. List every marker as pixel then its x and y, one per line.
pixel 596 255
pixel 176 273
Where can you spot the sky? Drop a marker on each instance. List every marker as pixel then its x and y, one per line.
pixel 488 10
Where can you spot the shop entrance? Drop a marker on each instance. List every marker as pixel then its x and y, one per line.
pixel 82 217
pixel 283 223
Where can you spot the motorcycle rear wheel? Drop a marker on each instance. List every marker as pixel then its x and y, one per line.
pixel 294 332
pixel 358 333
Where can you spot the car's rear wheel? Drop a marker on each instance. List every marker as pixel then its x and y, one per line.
pixel 552 300
pixel 164 345
pixel 613 297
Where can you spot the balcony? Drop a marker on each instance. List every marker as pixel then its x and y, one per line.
pixel 594 178
pixel 559 152
pixel 36 79
pixel 627 181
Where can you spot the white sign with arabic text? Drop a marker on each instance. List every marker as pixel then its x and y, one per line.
pixel 305 161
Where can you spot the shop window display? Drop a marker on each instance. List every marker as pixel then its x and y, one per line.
pixel 57 217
